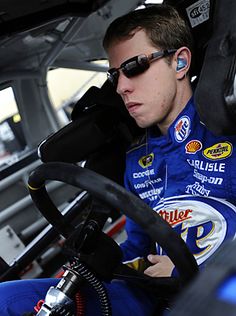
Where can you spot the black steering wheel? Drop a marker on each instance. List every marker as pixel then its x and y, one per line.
pixel 114 196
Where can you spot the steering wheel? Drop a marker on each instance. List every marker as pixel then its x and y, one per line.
pixel 114 196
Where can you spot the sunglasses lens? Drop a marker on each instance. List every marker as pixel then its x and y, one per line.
pixel 113 75
pixel 132 67
pixel 135 66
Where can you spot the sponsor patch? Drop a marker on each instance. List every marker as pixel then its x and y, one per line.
pixel 197 189
pixel 182 129
pixel 208 179
pixel 193 146
pixel 207 166
pixel 218 151
pixel 176 216
pixel 203 223
pixel 146 183
pixel 198 12
pixel 143 174
pixel 146 161
pixel 152 194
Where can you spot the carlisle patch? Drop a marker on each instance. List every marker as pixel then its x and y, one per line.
pixel 182 129
pixel 218 151
pixel 146 161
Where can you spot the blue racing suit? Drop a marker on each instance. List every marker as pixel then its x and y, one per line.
pixel 188 176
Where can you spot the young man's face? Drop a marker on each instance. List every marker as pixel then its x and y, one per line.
pixel 150 97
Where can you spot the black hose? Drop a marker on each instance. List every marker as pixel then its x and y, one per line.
pixel 98 286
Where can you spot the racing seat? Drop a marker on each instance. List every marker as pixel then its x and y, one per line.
pixel 216 69
pixel 99 132
pixel 214 60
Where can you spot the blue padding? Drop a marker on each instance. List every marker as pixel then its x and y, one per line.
pixel 227 290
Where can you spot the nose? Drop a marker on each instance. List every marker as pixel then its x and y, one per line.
pixel 124 84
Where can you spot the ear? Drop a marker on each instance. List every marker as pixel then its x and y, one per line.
pixel 182 62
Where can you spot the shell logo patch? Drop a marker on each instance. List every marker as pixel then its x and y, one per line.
pixel 218 151
pixel 182 129
pixel 146 161
pixel 193 146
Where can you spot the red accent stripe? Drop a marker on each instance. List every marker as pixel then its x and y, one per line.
pixel 116 227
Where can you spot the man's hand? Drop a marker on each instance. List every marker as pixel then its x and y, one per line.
pixel 162 266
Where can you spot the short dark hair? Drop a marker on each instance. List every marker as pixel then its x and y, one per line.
pixel 162 24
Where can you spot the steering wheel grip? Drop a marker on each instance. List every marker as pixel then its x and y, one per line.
pixel 117 197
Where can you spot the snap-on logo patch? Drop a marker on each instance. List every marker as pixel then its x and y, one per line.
pixel 182 129
pixel 193 146
pixel 146 161
pixel 218 151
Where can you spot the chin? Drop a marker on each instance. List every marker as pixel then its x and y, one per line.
pixel 143 124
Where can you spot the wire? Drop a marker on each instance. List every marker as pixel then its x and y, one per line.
pixel 97 285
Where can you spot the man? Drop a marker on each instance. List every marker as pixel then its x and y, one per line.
pixel 178 168
pixel 154 97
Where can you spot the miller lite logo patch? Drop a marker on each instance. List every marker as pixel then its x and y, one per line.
pixel 204 223
pixel 175 216
pixel 193 146
pixel 218 151
pixel 146 161
pixel 182 129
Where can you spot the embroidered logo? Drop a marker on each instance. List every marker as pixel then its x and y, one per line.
pixel 146 161
pixel 182 129
pixel 203 223
pixel 198 12
pixel 197 189
pixel 193 146
pixel 176 216
pixel 218 151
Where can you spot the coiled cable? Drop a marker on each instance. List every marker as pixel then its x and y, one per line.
pixel 80 304
pixel 97 285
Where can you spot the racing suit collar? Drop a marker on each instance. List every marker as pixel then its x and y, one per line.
pixel 187 114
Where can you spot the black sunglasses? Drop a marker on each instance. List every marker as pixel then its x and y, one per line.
pixel 136 65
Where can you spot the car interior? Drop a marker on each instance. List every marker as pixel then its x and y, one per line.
pixel 62 198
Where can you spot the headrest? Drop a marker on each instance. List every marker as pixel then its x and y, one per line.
pixel 215 95
pixel 99 118
pixel 213 27
pixel 199 16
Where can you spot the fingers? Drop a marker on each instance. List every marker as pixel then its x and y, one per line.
pixel 152 271
pixel 161 266
pixel 154 258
